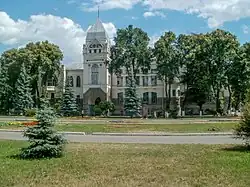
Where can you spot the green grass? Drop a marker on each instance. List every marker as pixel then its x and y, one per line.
pixel 89 128
pixel 128 165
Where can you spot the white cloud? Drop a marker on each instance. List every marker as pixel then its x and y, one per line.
pixel 71 2
pixel 153 39
pixel 216 12
pixel 69 36
pixel 245 29
pixel 155 13
pixel 109 4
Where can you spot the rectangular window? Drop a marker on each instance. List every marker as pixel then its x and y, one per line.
pixel 94 50
pixel 127 81
pixel 173 93
pixel 137 80
pixel 120 97
pixel 94 78
pixel 119 81
pixel 52 96
pixel 154 97
pixel 100 50
pixel 89 51
pixel 145 81
pixel 154 81
pixel 145 98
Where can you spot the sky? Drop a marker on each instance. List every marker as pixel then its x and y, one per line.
pixel 65 22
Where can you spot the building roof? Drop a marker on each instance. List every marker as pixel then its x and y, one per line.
pixel 74 66
pixel 97 31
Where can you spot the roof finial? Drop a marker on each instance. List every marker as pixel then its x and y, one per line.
pixel 98 13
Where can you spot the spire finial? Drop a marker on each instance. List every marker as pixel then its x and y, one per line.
pixel 98 13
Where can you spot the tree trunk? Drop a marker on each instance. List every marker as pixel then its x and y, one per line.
pixel 169 96
pixel 166 92
pixel 218 109
pixel 229 106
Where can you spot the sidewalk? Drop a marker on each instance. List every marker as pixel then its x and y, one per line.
pixel 137 134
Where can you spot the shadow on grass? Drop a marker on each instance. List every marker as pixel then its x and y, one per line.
pixel 21 157
pixel 238 148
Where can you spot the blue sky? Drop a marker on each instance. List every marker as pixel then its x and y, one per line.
pixel 65 22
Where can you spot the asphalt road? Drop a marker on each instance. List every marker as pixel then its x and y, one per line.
pixel 127 120
pixel 136 139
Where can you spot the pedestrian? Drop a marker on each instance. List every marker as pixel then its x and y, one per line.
pixel 82 113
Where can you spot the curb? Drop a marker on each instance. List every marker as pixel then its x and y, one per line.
pixel 67 133
pixel 162 134
pixel 136 134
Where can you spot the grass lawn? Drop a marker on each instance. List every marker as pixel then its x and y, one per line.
pixel 128 165
pixel 89 128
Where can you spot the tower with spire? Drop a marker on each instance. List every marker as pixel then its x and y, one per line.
pixel 96 77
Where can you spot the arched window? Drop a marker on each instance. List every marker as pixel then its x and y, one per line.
pixel 78 81
pixel 71 81
pixel 94 74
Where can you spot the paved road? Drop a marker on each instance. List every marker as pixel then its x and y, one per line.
pixel 137 139
pixel 128 120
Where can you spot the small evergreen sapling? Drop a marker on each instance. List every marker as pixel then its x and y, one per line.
pixel 69 105
pixel 44 141
pixel 132 103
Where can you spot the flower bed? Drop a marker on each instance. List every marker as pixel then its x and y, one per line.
pixel 31 123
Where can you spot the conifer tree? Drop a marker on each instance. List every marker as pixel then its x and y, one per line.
pixel 69 106
pixel 242 131
pixel 44 141
pixel 23 98
pixel 132 104
pixel 5 89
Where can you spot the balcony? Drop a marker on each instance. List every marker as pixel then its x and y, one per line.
pixel 50 88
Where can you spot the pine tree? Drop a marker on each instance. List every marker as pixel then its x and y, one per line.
pixel 69 106
pixel 5 89
pixel 132 104
pixel 44 141
pixel 242 131
pixel 23 98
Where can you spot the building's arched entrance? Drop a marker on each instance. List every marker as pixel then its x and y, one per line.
pixel 93 97
pixel 97 101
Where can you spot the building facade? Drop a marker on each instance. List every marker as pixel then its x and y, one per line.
pixel 92 82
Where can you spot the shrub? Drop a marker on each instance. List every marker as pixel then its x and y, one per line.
pixel 97 110
pixel 30 112
pixel 242 131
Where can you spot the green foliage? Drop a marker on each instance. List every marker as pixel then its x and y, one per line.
pixel 42 60
pixel 97 110
pixel 130 50
pixel 30 112
pixel 44 141
pixel 167 59
pixel 5 89
pixel 243 129
pixel 22 98
pixel 69 105
pixel 132 104
pixel 106 106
